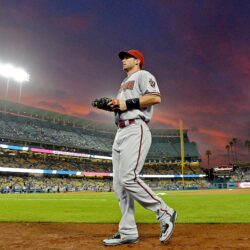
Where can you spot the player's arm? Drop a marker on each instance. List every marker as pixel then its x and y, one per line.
pixel 149 100
pixel 136 103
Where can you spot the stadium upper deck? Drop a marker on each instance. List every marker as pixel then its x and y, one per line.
pixel 31 126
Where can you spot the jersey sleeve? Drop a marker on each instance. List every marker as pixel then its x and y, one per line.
pixel 148 84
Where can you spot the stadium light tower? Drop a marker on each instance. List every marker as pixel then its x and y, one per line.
pixel 21 77
pixel 10 72
pixel 6 71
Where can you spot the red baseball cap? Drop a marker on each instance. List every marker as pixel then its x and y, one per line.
pixel 135 53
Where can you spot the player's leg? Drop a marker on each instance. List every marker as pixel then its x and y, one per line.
pixel 166 215
pixel 127 225
pixel 133 152
pixel 127 232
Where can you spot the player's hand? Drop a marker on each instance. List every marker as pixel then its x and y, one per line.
pixel 123 106
pixel 118 105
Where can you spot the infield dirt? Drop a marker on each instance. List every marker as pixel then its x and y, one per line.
pixel 89 236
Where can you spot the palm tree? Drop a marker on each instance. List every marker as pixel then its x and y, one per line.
pixel 228 152
pixel 247 144
pixel 208 154
pixel 231 149
pixel 235 140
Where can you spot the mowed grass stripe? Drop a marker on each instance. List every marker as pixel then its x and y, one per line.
pixel 209 206
pixel 52 199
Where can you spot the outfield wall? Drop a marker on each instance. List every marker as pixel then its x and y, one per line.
pixel 230 185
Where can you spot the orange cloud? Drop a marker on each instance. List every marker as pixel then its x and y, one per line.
pixel 214 133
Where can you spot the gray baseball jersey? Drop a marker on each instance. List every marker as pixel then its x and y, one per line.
pixel 138 84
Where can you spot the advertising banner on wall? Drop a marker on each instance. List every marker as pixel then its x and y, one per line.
pixel 244 185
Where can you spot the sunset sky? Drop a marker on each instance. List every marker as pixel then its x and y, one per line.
pixel 198 50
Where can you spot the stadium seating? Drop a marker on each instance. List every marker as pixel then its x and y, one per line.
pixel 42 184
pixel 28 126
pixel 89 137
pixel 31 184
pixel 241 174
pixel 33 130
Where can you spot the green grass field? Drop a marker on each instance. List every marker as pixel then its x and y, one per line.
pixel 210 206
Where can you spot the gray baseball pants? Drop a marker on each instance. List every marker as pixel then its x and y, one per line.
pixel 130 148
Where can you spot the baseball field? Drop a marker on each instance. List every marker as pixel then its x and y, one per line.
pixel 207 219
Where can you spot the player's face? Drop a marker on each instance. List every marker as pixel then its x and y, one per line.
pixel 129 62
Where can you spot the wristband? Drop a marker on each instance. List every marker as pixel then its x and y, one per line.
pixel 133 103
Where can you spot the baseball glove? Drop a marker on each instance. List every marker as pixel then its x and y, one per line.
pixel 102 103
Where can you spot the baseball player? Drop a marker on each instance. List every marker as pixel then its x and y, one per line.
pixel 133 109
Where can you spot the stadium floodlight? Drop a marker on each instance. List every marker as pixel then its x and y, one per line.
pixel 21 76
pixel 7 70
pixel 12 73
pixel 16 74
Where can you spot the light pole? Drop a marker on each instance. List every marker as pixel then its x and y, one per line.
pixel 21 77
pixel 7 71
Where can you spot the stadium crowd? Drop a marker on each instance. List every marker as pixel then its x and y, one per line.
pixel 46 184
pixel 37 131
pixel 42 184
pixel 33 130
pixel 52 162
pixel 240 175
pixel 37 161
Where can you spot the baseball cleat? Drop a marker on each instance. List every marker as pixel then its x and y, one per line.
pixel 167 227
pixel 117 239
